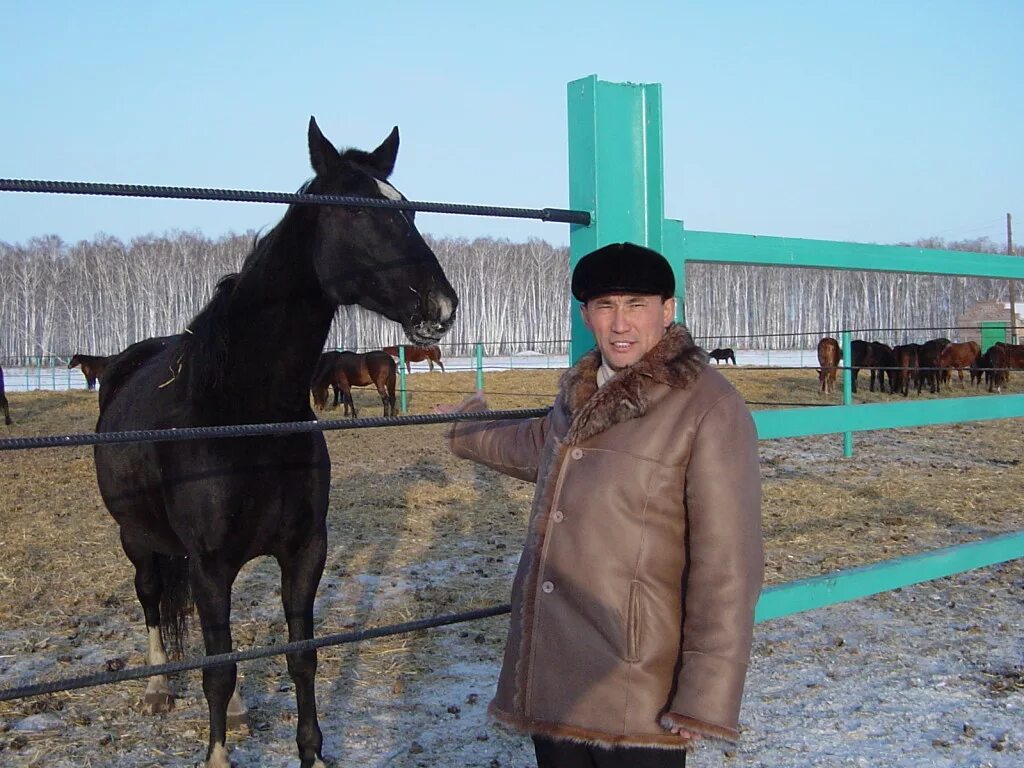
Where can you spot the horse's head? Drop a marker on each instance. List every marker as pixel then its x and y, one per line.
pixel 375 257
pixel 76 360
pixel 319 395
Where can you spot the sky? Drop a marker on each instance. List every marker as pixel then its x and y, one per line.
pixel 857 121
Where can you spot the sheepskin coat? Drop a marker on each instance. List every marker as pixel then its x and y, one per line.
pixel 633 603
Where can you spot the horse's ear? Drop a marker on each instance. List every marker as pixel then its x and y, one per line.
pixel 382 159
pixel 322 154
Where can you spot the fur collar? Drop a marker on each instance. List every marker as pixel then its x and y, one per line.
pixel 675 362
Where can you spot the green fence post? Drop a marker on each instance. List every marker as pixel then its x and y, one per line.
pixel 402 380
pixel 479 367
pixel 847 389
pixel 615 172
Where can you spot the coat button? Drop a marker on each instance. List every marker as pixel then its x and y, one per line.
pixel 547 587
pixel 577 453
pixel 557 516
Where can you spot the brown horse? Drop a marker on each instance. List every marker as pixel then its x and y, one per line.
pixel 93 366
pixel 959 356
pixel 3 401
pixel 345 370
pixel 1004 358
pixel 829 355
pixel 414 354
pixel 928 364
pixel 905 363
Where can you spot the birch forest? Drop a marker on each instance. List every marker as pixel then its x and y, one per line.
pixel 99 296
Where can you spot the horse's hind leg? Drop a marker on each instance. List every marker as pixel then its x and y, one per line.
pixel 300 574
pixel 212 586
pixel 158 697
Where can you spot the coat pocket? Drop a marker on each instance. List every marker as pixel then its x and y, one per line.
pixel 634 622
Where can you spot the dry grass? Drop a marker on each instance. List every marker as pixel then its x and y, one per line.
pixel 415 532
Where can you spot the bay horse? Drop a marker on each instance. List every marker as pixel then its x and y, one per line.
pixel 417 354
pixel 958 355
pixel 723 354
pixel 1004 358
pixel 905 362
pixel 192 513
pixel 327 359
pixel 3 401
pixel 928 364
pixel 829 356
pixel 93 367
pixel 344 370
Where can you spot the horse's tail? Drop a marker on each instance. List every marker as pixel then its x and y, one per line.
pixel 176 602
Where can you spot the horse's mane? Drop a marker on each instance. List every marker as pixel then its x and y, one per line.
pixel 202 353
pixel 324 369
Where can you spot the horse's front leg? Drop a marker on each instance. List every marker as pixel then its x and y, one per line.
pixel 301 568
pixel 212 588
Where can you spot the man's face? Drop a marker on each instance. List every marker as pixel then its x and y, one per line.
pixel 627 326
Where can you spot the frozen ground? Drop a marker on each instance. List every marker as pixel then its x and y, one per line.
pixel 931 675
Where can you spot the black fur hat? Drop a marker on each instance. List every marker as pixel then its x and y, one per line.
pixel 622 268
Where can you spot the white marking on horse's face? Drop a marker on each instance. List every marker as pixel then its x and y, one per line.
pixel 388 191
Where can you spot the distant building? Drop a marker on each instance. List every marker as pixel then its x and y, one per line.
pixel 988 322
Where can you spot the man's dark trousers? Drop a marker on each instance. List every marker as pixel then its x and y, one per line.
pixel 567 754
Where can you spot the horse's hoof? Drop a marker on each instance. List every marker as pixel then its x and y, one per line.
pixel 157 702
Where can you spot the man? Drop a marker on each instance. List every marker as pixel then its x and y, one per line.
pixel 632 608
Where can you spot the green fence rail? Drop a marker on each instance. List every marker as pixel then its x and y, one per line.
pixel 616 173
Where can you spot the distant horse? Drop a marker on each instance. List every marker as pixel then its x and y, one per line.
pixel 3 401
pixel 327 359
pixel 1004 358
pixel 829 356
pixel 432 354
pixel 958 356
pixel 928 364
pixel 982 368
pixel 905 362
pixel 344 370
pixel 192 513
pixel 723 354
pixel 93 366
pixel 873 355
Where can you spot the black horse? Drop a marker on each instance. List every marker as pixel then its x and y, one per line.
pixel 718 355
pixel 3 401
pixel 192 513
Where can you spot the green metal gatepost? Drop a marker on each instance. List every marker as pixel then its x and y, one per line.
pixel 479 367
pixel 401 378
pixel 847 388
pixel 615 172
